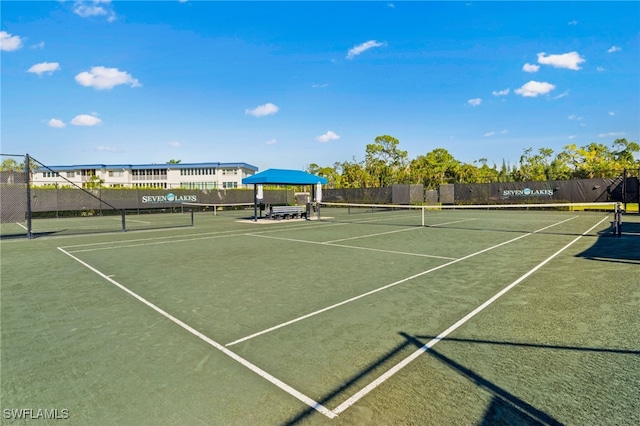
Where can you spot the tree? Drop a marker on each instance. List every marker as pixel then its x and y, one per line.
pixel 624 155
pixel 353 175
pixel 384 161
pixel 434 168
pixel 172 161
pixel 10 165
pixel 534 167
pixel 330 173
pixel 594 160
pixel 94 182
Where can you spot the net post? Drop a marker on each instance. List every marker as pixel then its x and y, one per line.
pixel 422 216
pixel 124 226
pixel 192 221
pixel 618 220
pixel 27 171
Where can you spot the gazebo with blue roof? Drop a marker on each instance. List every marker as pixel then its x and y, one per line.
pixel 280 177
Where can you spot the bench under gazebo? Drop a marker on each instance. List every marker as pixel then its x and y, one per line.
pixel 283 177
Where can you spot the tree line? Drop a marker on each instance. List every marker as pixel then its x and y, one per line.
pixel 386 164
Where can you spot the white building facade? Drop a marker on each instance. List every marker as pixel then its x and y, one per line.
pixel 162 176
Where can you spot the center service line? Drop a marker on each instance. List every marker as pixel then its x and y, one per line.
pixel 279 383
pixel 344 302
pixel 371 386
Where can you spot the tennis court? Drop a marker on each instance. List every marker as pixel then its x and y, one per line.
pixel 360 316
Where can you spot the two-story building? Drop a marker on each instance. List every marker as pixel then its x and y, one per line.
pixel 166 176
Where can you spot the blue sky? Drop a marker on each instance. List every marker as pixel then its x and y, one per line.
pixel 287 84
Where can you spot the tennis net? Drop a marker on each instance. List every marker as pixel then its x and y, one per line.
pixel 566 218
pixel 233 209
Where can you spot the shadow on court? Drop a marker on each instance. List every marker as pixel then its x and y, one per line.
pixel 623 249
pixel 505 408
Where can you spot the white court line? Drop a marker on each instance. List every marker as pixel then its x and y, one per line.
pixel 154 243
pixel 172 238
pixel 22 226
pixel 370 235
pixel 344 302
pixel 291 391
pixel 371 386
pixel 391 232
pixel 449 223
pixel 352 247
pixel 132 220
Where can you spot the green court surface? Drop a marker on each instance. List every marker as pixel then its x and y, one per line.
pixel 476 318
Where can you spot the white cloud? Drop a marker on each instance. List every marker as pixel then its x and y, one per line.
pixel 504 92
pixel 106 148
pixel 571 60
pixel 600 69
pixel 94 8
pixel 611 134
pixel 318 86
pixel 262 110
pixel 38 45
pixel 573 136
pixel 614 49
pixel 562 95
pixel 85 120
pixel 574 117
pixel 391 5
pixel 9 42
pixel 54 122
pixel 530 68
pixel 102 78
pixel 175 144
pixel 612 113
pixel 535 88
pixel 574 22
pixel 48 67
pixel 489 134
pixel 357 50
pixel 329 136
pixel 474 102
pixel 271 142
pixel 504 132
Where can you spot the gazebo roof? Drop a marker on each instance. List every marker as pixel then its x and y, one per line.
pixel 284 177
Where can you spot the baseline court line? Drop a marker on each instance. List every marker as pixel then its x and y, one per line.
pixel 371 386
pixel 279 383
pixel 393 284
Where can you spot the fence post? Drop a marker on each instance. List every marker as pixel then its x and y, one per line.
pixel 27 171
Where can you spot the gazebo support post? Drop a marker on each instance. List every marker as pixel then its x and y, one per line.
pixel 255 202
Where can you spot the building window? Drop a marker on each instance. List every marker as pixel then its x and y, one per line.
pixel 71 174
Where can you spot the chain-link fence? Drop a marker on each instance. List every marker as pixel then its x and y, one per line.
pixel 14 187
pixel 60 206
